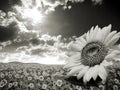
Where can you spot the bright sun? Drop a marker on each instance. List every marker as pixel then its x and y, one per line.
pixel 33 14
pixel 31 10
pixel 34 10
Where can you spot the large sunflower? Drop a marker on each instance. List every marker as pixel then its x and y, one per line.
pixel 92 53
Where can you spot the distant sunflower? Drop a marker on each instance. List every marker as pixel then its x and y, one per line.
pixel 92 53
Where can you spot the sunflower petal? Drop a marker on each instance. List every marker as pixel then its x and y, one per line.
pixel 99 35
pixel 70 65
pixel 87 36
pixel 82 72
pixel 75 70
pixel 96 28
pixel 84 36
pixel 117 58
pixel 77 56
pixel 113 40
pixel 95 32
pixel 114 54
pixel 102 73
pixel 106 63
pixel 75 47
pixel 106 31
pixel 95 72
pixel 91 34
pixel 84 42
pixel 85 78
pixel 88 74
pixel 110 56
pixel 109 37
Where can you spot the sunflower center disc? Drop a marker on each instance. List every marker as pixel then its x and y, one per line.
pixel 93 53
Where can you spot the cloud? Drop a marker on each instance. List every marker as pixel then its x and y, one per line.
pixel 25 14
pixel 30 45
pixel 8 32
pixel 45 53
pixel 36 53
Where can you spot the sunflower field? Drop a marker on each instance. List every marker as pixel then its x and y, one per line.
pixel 19 76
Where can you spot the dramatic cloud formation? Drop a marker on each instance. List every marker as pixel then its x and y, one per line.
pixel 22 40
pixel 47 51
pixel 37 48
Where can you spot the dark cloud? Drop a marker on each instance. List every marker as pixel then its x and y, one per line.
pixel 6 5
pixel 8 32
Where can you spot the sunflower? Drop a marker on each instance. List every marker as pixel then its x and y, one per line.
pixel 92 53
pixel 31 85
pixel 29 78
pixel 44 86
pixel 59 83
pixel 41 78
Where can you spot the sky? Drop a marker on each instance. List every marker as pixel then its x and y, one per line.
pixel 46 35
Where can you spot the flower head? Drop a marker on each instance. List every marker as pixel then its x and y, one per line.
pixel 17 75
pixel 59 83
pixel 93 53
pixel 15 83
pixel 2 84
pixel 29 78
pixel 31 85
pixel 41 78
pixel 10 85
pixel 44 86
pixel 4 81
pixel 2 75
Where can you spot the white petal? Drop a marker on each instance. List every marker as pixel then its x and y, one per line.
pixel 75 70
pixel 70 65
pixel 88 37
pixel 84 42
pixel 84 77
pixel 95 72
pixel 110 56
pixel 117 52
pixel 77 62
pixel 114 39
pixel 95 31
pixel 92 73
pixel 74 61
pixel 106 63
pixel 97 28
pixel 106 32
pixel 82 72
pixel 115 47
pixel 88 74
pixel 79 43
pixel 75 47
pixel 117 58
pixel 114 55
pixel 77 56
pixel 91 34
pixel 84 36
pixel 102 73
pixel 99 35
pixel 109 37
pixel 94 35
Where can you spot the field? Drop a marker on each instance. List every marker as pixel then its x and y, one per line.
pixel 19 76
